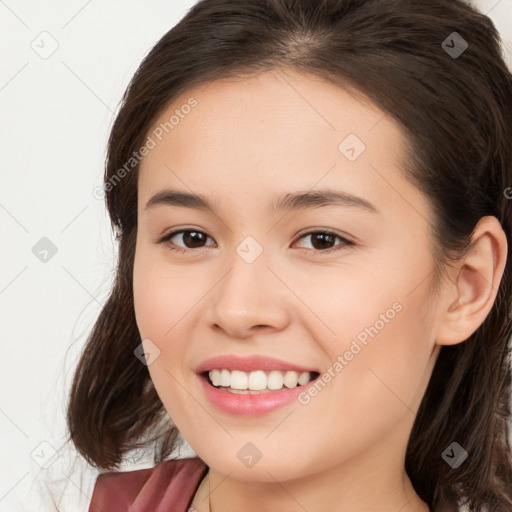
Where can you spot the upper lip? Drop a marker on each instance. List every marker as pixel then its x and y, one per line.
pixel 251 363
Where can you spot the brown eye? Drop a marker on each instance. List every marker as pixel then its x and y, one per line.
pixel 191 239
pixel 323 241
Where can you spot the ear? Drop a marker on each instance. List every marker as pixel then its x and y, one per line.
pixel 470 297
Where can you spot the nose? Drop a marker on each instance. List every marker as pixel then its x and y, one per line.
pixel 249 298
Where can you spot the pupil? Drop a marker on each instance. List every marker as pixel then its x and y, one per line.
pixel 325 238
pixel 191 237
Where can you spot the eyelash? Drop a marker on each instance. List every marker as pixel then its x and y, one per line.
pixel 345 243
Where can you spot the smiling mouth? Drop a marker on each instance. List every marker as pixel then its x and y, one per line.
pixel 257 382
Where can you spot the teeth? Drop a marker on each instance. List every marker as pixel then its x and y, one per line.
pixel 225 378
pixel 290 379
pixel 304 378
pixel 239 381
pixel 275 380
pixel 215 376
pixel 257 381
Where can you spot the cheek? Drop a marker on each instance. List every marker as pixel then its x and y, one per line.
pixel 382 322
pixel 162 300
pixel 163 295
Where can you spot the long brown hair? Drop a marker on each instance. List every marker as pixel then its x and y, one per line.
pixel 451 94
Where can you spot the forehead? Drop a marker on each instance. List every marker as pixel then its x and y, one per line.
pixel 283 109
pixel 269 131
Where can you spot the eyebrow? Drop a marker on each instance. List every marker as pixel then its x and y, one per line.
pixel 291 201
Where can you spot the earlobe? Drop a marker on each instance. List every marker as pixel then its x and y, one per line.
pixel 476 285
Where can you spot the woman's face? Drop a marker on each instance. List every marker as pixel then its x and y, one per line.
pixel 252 280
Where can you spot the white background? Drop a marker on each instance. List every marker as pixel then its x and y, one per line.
pixel 56 115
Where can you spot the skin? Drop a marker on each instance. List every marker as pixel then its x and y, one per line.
pixel 247 141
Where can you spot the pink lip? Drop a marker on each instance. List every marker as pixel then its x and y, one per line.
pixel 248 404
pixel 249 364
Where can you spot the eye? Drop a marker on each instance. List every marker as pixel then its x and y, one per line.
pixel 192 239
pixel 323 240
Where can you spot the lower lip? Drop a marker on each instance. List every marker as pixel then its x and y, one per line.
pixel 251 405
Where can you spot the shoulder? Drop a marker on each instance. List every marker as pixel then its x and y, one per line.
pixel 168 486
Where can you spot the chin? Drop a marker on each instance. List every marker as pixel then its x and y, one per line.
pixel 264 470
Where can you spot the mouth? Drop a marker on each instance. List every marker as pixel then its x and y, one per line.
pixel 253 385
pixel 257 381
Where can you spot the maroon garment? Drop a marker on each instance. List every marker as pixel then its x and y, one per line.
pixel 167 487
